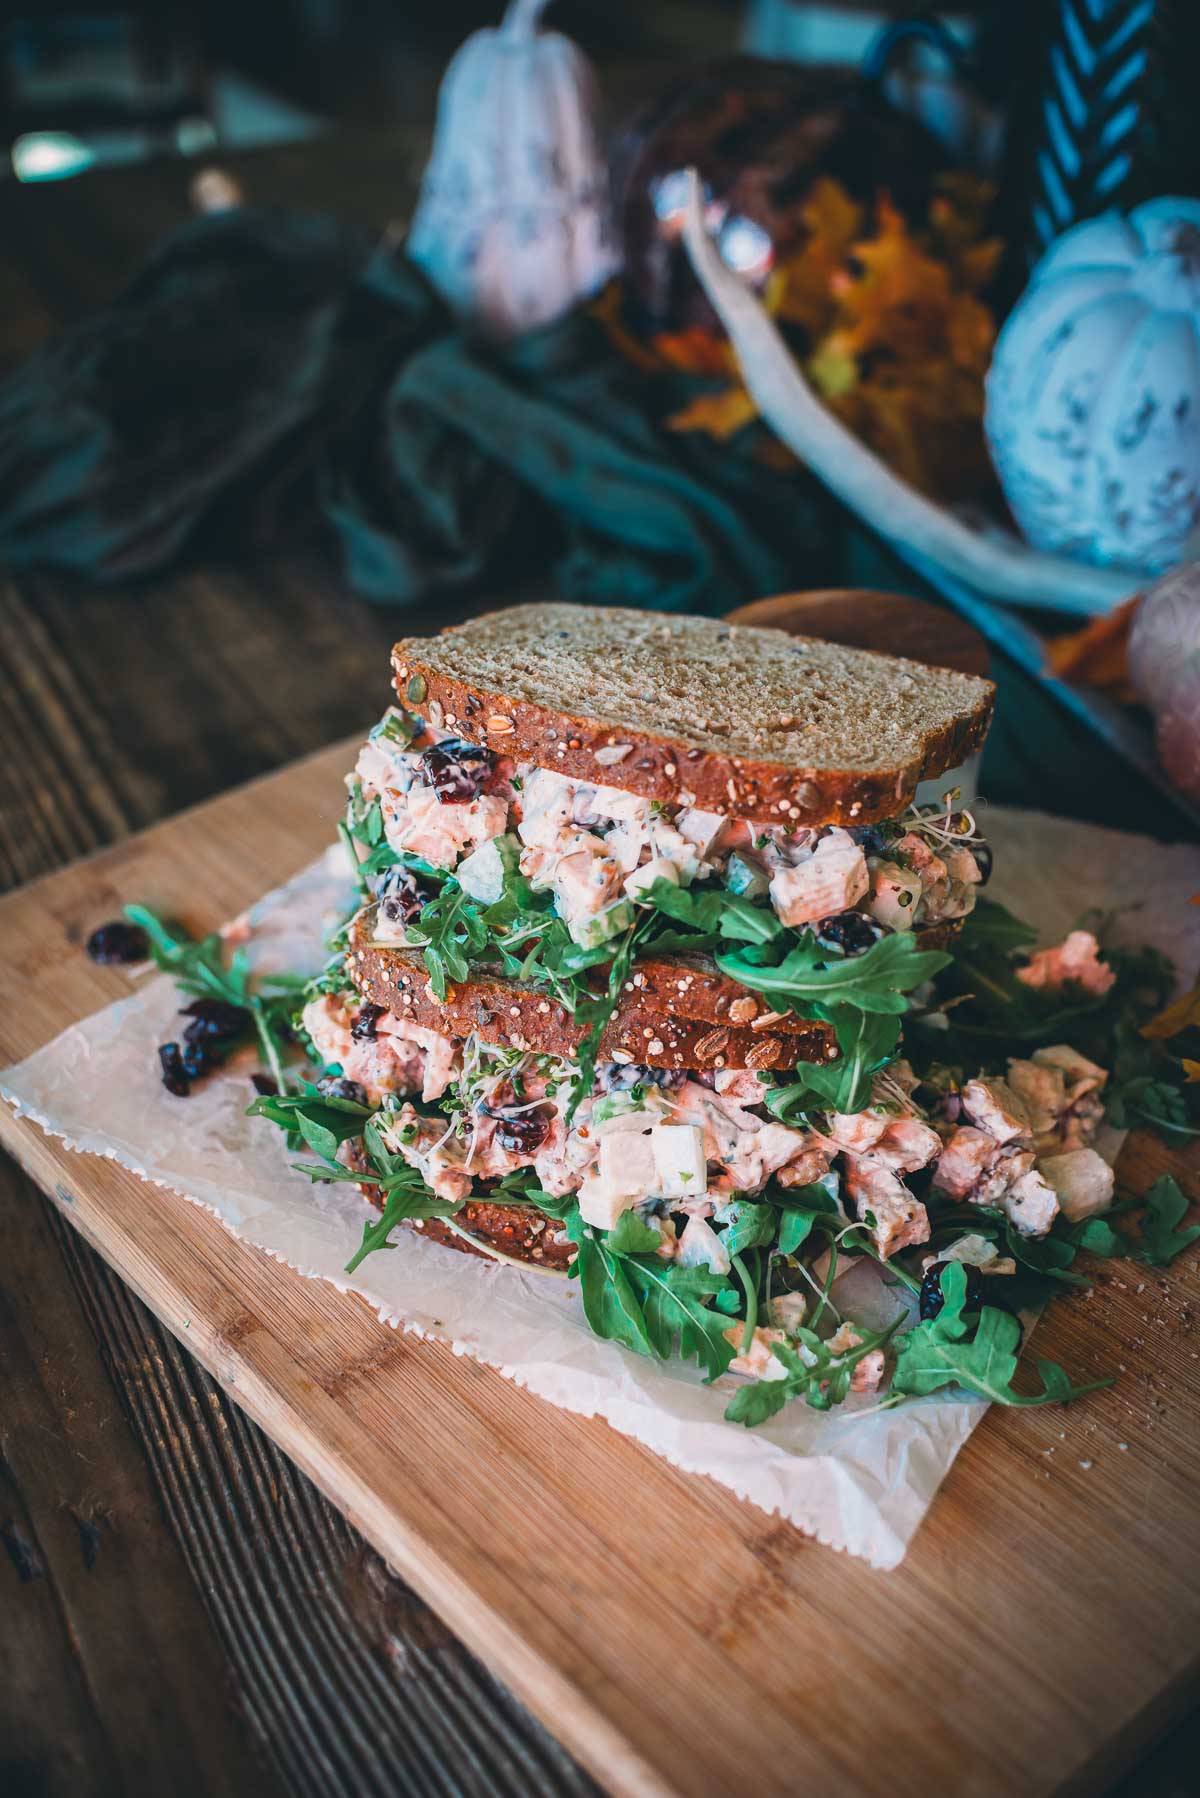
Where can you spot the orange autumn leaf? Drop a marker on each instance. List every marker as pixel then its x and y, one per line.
pixel 800 291
pixel 1180 1016
pixel 720 414
pixel 887 324
pixel 1191 1072
pixel 1098 655
pixel 696 352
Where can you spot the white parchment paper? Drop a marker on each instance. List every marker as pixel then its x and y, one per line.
pixel 858 1479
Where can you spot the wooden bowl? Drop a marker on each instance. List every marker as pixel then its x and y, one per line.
pixel 863 619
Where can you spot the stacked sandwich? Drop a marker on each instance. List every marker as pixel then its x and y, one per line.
pixel 644 900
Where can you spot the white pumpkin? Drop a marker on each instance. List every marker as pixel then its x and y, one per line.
pixel 1093 397
pixel 514 223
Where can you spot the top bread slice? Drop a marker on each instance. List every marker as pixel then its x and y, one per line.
pixel 735 719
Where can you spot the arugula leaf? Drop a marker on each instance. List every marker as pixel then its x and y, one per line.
pixel 867 1040
pixel 714 912
pixel 749 1226
pixel 1153 1102
pixel 1162 1239
pixel 803 1209
pixel 452 932
pixel 991 925
pixel 644 1302
pixel 406 1197
pixel 809 974
pixel 631 1236
pixel 820 1376
pixel 978 1351
pixel 199 969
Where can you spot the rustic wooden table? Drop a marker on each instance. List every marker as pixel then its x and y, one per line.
pixel 182 1611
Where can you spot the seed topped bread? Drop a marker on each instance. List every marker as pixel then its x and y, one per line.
pixel 731 718
pixel 500 1011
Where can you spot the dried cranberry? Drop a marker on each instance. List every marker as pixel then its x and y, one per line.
pixel 400 893
pixel 174 1074
pixel 214 1020
pixel 264 1086
pixel 363 1028
pixel 983 860
pixel 456 770
pixel 850 931
pixel 522 1133
pixel 933 1298
pixel 197 1059
pixel 869 838
pixel 336 1086
pixel 118 942
pixel 618 1077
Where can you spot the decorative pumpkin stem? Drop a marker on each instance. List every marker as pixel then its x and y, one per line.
pixel 523 17
pixel 897 511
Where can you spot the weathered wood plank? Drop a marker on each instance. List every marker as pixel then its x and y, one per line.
pixel 110 1675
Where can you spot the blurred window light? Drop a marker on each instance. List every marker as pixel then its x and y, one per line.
pixel 50 156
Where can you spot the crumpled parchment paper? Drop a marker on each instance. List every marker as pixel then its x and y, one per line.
pixel 858 1479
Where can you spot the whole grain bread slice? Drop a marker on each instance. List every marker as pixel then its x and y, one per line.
pixel 500 1011
pixel 675 989
pixel 735 719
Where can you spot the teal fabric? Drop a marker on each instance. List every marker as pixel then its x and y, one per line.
pixel 265 369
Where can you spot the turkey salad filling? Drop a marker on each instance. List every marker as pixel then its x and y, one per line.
pixel 960 1187
pixel 687 1143
pixel 598 850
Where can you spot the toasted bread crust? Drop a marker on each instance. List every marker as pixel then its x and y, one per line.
pixel 682 991
pixel 657 767
pixel 640 1030
pixel 515 1230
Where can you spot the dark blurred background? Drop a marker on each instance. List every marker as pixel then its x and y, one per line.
pixel 87 84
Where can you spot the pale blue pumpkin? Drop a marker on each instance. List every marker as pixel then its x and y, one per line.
pixel 1093 397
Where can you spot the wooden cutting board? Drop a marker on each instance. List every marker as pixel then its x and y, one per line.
pixel 1045 1623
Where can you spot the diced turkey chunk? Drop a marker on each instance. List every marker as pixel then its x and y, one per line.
pixel 1031 1204
pixel 994 1107
pixel 973 1251
pixel 857 1131
pixel 600 1204
pixel 906 1145
pixel 759 1360
pixel 419 824
pixel 1073 962
pixel 643 878
pixel 831 880
pixel 869 1371
pixel 1079 1074
pixel 901 1143
pixel 702 829
pixel 397 1059
pixel 1082 1180
pixel 1042 1093
pixel 895 895
pixel 975 1167
pixel 964 1161
pixel 700 1246
pixel 921 856
pixel 627 1163
pixel 585 882
pixel 677 1151
pixel 899 1219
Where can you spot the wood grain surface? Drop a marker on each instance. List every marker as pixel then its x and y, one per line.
pixel 673 1637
